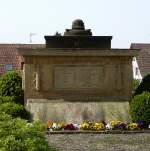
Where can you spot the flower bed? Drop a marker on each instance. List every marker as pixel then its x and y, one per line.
pixel 97 126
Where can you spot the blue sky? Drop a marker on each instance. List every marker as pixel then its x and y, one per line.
pixel 126 20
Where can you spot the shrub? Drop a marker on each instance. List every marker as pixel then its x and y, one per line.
pixel 136 83
pixel 144 85
pixel 140 107
pixel 15 110
pixel 19 135
pixel 11 85
pixel 4 117
pixel 4 99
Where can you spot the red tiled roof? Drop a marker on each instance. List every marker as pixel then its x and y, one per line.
pixel 9 55
pixel 143 59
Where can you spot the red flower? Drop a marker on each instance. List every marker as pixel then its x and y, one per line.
pixel 70 127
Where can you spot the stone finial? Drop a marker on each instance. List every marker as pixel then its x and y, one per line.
pixel 78 29
pixel 78 24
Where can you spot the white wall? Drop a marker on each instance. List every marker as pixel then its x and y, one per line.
pixel 136 70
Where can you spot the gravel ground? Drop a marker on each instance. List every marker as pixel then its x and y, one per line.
pixel 100 142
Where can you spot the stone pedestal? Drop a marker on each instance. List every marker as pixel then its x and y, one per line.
pixel 89 85
pixel 79 76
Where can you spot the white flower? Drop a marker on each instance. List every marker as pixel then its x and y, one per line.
pixel 148 126
pixel 77 126
pixel 54 126
pixel 109 126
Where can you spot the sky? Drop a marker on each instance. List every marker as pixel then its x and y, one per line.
pixel 128 21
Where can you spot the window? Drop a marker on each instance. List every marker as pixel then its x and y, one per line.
pixel 8 67
pixel 136 71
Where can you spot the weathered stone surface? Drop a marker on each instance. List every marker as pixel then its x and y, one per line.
pixel 78 29
pixel 72 78
pixel 76 77
pixel 94 87
pixel 77 112
pixel 78 52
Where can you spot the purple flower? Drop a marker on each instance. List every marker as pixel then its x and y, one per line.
pixel 121 126
pixel 142 124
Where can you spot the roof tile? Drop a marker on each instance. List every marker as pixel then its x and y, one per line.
pixel 9 55
pixel 143 59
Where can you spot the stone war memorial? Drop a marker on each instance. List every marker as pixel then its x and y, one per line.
pixel 78 77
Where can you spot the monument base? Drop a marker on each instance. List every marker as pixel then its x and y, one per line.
pixel 77 112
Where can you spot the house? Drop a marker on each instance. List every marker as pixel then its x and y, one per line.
pixel 9 58
pixel 141 63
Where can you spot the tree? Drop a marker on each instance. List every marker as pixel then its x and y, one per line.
pixel 144 85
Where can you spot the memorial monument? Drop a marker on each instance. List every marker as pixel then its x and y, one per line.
pixel 78 77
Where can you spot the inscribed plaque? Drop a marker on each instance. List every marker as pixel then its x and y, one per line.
pixel 78 76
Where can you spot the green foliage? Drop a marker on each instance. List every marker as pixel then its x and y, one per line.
pixel 136 83
pixel 11 85
pixel 144 85
pixel 19 135
pixel 4 99
pixel 140 107
pixel 15 110
pixel 4 117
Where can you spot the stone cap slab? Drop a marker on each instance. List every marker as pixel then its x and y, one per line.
pixel 78 41
pixel 78 52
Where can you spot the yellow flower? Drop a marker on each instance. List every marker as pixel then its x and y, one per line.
pixel 98 126
pixel 85 125
pixel 62 124
pixel 133 126
pixel 91 126
pixel 115 122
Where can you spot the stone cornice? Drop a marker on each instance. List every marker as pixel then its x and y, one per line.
pixel 78 52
